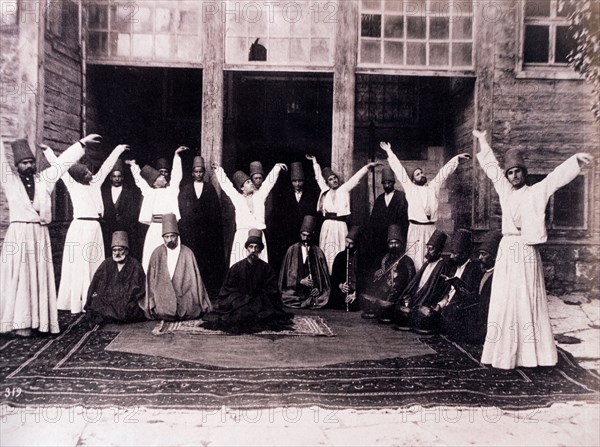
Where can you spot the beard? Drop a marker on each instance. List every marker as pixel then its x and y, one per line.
pixel 394 252
pixel 119 259
pixel 388 189
pixel 431 257
pixel 172 244
pixel 27 172
pixel 421 181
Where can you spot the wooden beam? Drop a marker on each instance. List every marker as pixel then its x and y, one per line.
pixel 212 86
pixel 344 78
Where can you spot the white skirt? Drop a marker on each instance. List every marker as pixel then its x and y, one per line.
pixel 238 249
pixel 153 239
pixel 519 332
pixel 28 297
pixel 332 239
pixel 82 255
pixel 416 243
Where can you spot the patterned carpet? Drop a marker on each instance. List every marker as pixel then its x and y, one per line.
pixel 74 369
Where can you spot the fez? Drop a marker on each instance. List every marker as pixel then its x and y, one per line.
pixel 149 174
pixel 513 159
pixel 461 242
pixel 21 151
pixel 438 239
pixel 387 175
pixel 239 178
pixel 254 237
pixel 198 162
pixel 490 242
pixel 120 239
pixel 296 171
pixel 169 224
pixel 309 223
pixel 395 233
pixel 78 172
pixel 256 167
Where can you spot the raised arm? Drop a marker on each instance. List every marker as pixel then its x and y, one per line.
pixel 8 176
pixel 71 156
pixel 271 179
pixel 225 183
pixel 489 163
pixel 177 171
pixel 447 170
pixel 137 177
pixel 396 166
pixel 357 177
pixel 318 175
pixel 562 174
pixel 108 164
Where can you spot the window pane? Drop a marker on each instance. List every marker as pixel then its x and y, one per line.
pixel 462 54
pixel 142 45
pixel 120 18
pixel 165 20
pixel 564 43
pixel 144 20
pixel 370 51
pixel 393 5
pixel 393 53
pixel 569 204
pixel 299 50
pixel 566 9
pixel 536 43
pixel 394 26
pixel 188 22
pixel 319 50
pixel 415 53
pixel 415 27
pixel 462 28
pixel 439 28
pixel 97 16
pixel 537 8
pixel 98 43
pixel 371 4
pixel 370 25
pixel 438 54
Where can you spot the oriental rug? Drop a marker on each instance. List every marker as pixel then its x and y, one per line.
pixel 75 369
pixel 301 325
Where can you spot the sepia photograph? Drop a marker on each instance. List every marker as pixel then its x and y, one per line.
pixel 299 222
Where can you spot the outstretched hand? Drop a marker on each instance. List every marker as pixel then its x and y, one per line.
pixel 310 157
pixel 44 147
pixel 282 166
pixel 385 146
pixel 124 147
pixel 130 162
pixel 584 158
pixel 464 156
pixel 181 149
pixel 374 163
pixel 480 135
pixel 214 165
pixel 91 138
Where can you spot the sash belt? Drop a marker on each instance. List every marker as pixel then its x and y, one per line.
pixel 420 223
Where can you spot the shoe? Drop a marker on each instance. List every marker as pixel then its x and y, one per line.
pixel 384 321
pixel 367 316
pixel 400 328
pixel 425 331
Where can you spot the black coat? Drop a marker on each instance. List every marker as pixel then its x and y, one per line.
pixel 122 216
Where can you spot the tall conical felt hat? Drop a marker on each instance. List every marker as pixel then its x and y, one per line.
pixel 309 223
pixel 328 172
pixel 21 151
pixel 162 163
pixel 119 166
pixel 254 237
pixel 256 167
pixel 490 242
pixel 513 159
pixel 149 174
pixel 239 178
pixel 395 233
pixel 169 224
pixel 297 171
pixel 438 239
pixel 78 171
pixel 387 175
pixel 120 239
pixel 198 162
pixel 461 242
pixel 353 232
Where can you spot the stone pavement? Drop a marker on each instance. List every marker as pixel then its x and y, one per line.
pixel 570 423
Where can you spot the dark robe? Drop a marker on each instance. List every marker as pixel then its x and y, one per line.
pixel 122 216
pixel 249 300
pixel 464 319
pixel 386 284
pixel 293 270
pixel 343 271
pixel 181 298
pixel 201 229
pixel 374 237
pixel 427 296
pixel 114 295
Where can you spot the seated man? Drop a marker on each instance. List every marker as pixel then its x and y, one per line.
pixel 345 274
pixel 174 288
pixel 465 317
pixel 415 309
pixel 117 286
pixel 304 278
pixel 391 277
pixel 249 300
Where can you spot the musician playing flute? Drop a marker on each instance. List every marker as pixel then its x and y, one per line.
pixel 346 274
pixel 304 278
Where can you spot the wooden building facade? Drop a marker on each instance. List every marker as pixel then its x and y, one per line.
pixel 272 80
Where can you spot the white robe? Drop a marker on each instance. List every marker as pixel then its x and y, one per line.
pixel 28 297
pixel 246 216
pixel 157 201
pixel 519 331
pixel 84 246
pixel 423 202
pixel 332 239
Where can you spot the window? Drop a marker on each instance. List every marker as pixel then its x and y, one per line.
pixel 149 30
pixel 416 33
pixel 547 39
pixel 567 208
